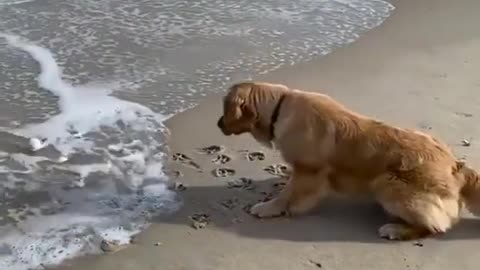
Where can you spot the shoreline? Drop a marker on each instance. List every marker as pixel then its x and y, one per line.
pixel 418 69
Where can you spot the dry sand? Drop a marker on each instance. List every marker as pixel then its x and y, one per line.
pixel 419 69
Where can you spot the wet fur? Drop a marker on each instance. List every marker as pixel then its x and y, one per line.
pixel 333 150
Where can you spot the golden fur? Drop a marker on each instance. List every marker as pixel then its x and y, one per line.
pixel 331 149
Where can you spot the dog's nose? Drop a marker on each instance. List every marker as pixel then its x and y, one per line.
pixel 220 122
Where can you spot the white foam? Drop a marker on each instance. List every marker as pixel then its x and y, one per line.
pixel 13 2
pixel 83 108
pixel 118 203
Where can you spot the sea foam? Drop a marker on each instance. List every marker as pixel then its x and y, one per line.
pixel 105 181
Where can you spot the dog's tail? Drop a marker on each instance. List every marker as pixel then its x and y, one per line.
pixel 471 186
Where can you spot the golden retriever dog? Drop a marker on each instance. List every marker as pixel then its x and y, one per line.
pixel 333 150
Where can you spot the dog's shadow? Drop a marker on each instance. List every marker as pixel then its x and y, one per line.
pixel 344 221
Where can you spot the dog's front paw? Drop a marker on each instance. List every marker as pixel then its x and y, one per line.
pixel 267 209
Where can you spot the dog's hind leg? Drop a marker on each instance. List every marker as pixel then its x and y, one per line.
pixel 423 214
pixel 302 193
pixel 420 219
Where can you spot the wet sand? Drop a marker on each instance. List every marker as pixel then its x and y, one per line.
pixel 419 69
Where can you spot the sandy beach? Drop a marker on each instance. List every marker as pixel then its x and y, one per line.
pixel 419 69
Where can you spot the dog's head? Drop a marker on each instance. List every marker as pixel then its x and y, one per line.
pixel 239 113
pixel 248 107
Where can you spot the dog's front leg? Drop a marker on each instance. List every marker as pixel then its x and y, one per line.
pixel 302 193
pixel 276 206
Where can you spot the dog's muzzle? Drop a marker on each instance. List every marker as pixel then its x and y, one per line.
pixel 221 126
pixel 220 123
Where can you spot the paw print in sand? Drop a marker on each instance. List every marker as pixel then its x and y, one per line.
pixel 187 161
pixel 211 150
pixel 221 159
pixel 223 172
pixel 277 170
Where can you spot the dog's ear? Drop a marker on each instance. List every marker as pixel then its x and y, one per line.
pixel 237 102
pixel 238 110
pixel 248 111
pixel 459 165
pixel 244 110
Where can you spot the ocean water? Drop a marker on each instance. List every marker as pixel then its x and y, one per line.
pixel 85 86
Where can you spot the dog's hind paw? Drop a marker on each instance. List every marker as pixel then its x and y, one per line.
pixel 267 209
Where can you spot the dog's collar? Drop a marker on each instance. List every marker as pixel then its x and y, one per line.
pixel 273 119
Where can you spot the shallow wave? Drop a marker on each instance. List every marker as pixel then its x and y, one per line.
pixel 166 54
pixel 100 176
pixel 13 2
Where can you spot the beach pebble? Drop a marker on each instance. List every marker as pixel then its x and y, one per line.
pixel 37 144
